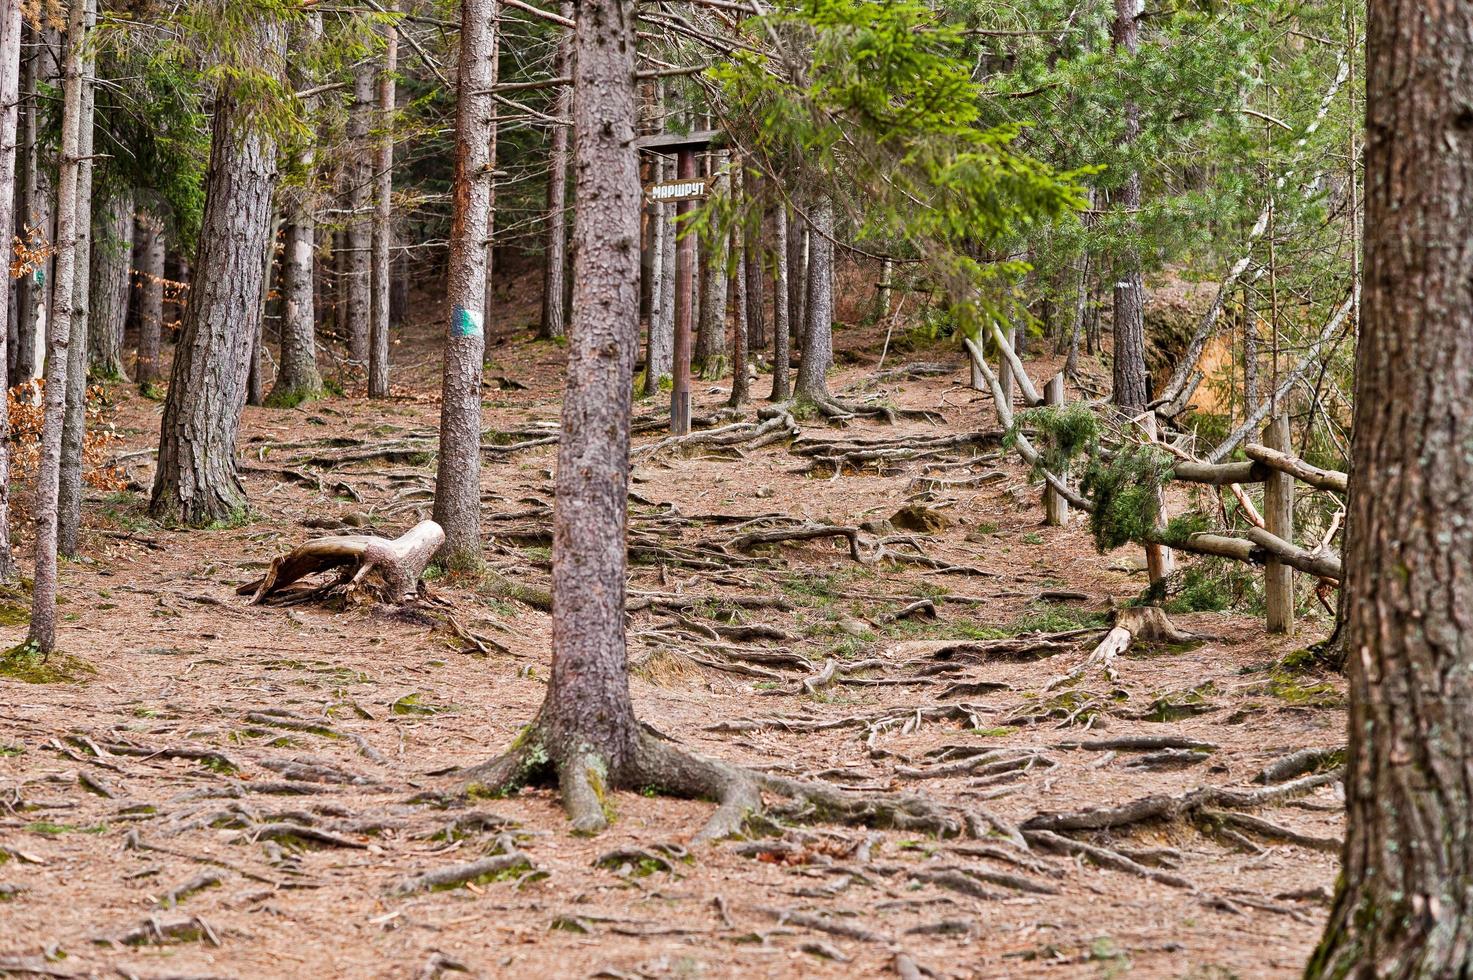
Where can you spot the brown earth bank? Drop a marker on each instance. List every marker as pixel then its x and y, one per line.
pixel 240 791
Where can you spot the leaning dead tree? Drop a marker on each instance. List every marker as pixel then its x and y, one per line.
pixel 383 569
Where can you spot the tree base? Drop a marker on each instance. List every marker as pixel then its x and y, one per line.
pixel 387 570
pixel 584 779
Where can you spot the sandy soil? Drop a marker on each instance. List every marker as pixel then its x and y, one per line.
pixel 94 839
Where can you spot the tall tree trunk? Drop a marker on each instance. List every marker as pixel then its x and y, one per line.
pixel 58 336
pixel 458 477
pixel 491 160
pixel 797 278
pixel 740 381
pixel 781 308
pixel 42 69
pixel 112 254
pixel 660 353
pixel 196 481
pixel 1403 908
pixel 818 338
pixel 1250 351
pixel 360 202
pixel 297 377
pixel 752 257
pixel 710 346
pixel 256 360
pixel 554 278
pixel 383 220
pixel 10 33
pixel 74 420
pixel 1131 387
pixel 148 368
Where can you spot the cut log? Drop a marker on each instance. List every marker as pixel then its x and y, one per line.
pixel 388 570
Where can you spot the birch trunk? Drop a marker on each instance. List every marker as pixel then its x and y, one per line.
pixel 10 33
pixel 458 477
pixel 196 481
pixel 58 337
pixel 74 420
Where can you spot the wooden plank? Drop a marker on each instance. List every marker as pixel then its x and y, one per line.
pixel 668 191
pixel 676 142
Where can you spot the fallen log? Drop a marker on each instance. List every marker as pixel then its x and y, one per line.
pixel 389 570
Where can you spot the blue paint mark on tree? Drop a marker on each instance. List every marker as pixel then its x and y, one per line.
pixel 465 323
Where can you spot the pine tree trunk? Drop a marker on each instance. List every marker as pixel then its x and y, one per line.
pixel 360 202
pixel 740 381
pixel 752 257
pixel 58 338
pixel 587 717
pixel 491 160
pixel 1403 907
pixel 112 254
pixel 297 377
pixel 196 481
pixel 710 345
pixel 797 279
pixel 781 308
pixel 74 419
pixel 10 34
pixel 660 353
pixel 383 220
pixel 148 368
pixel 1131 387
pixel 458 478
pixel 42 69
pixel 554 281
pixel 256 375
pixel 818 331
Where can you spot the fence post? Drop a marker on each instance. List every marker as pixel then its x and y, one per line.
pixel 1005 369
pixel 1055 507
pixel 1278 517
pixel 979 383
pixel 1159 561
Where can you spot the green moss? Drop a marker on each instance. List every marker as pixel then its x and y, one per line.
pixel 1291 688
pixel 410 704
pixel 26 663
pixel 11 750
pixel 153 391
pixel 1002 731
pixel 55 829
pixel 1033 538
pixel 241 516
pixel 292 397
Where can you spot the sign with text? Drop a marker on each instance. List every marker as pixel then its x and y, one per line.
pixel 678 190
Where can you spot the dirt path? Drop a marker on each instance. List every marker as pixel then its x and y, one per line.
pixel 214 732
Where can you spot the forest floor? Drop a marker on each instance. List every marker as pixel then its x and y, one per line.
pixel 265 761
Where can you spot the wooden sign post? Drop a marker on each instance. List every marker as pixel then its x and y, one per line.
pixel 682 190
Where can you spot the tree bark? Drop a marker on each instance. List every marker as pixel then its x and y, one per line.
pixel 58 337
pixel 74 419
pixel 42 68
pixel 360 202
pixel 781 308
pixel 710 345
pixel 10 34
pixel 112 254
pixel 458 477
pixel 491 159
pixel 797 278
pixel 554 280
pixel 660 353
pixel 818 330
pixel 755 186
pixel 1403 907
pixel 1131 387
pixel 196 481
pixel 383 220
pixel 148 368
pixel 297 377
pixel 740 381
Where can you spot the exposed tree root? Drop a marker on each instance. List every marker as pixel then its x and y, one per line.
pixel 584 780
pixel 1137 623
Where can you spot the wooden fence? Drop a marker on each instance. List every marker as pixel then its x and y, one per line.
pixel 1269 542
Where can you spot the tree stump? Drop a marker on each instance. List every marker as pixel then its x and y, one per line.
pixel 384 569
